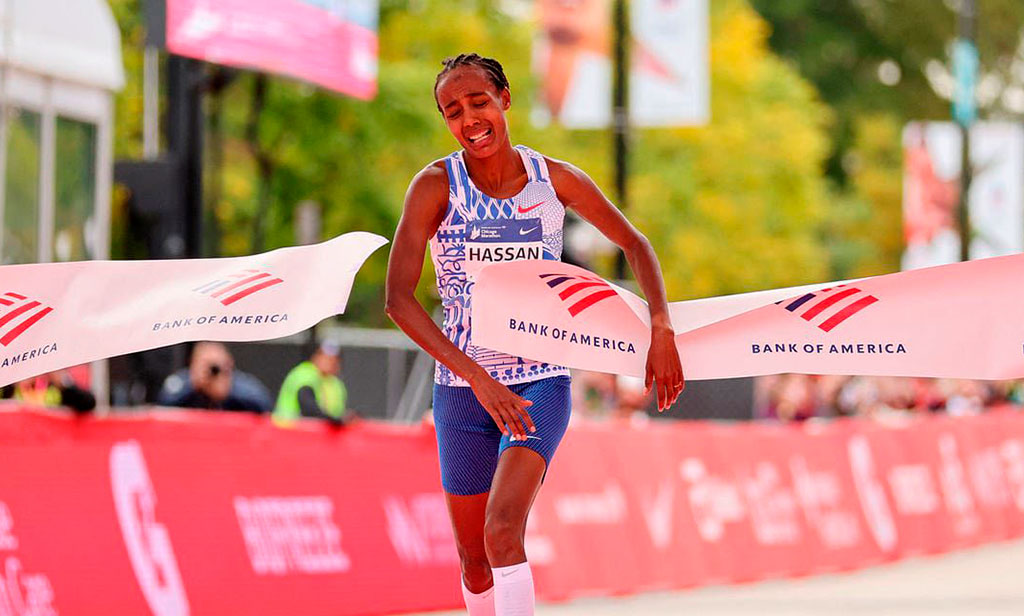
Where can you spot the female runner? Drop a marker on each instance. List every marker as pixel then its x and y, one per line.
pixel 500 418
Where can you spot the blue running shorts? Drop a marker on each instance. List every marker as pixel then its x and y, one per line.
pixel 470 443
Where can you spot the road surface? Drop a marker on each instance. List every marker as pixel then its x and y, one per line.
pixel 984 581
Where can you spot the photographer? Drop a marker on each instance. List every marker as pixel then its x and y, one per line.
pixel 211 382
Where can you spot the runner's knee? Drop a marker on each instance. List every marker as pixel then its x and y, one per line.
pixel 503 533
pixel 476 573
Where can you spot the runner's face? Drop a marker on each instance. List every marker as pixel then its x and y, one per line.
pixel 474 110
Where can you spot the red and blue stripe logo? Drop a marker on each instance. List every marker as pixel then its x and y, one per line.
pixel 578 292
pixel 17 314
pixel 830 307
pixel 237 286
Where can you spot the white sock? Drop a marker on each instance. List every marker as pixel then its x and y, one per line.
pixel 481 604
pixel 513 590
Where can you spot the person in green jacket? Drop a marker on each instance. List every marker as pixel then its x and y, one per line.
pixel 313 389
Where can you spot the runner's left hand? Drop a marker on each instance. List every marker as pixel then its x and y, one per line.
pixel 663 368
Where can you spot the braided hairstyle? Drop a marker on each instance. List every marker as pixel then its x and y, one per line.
pixel 489 65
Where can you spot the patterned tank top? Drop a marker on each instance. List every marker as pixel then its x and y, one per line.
pixel 478 230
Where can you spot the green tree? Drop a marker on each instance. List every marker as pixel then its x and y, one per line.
pixel 840 47
pixel 878 65
pixel 737 205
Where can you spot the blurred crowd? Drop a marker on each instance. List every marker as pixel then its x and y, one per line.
pixel 597 395
pixel 312 389
pixel 798 397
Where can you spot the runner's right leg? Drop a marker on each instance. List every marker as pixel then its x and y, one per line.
pixel 467 442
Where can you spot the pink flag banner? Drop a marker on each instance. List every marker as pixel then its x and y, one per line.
pixel 330 43
pixel 955 321
pixel 55 315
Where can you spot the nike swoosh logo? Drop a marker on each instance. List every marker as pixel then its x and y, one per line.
pixel 530 230
pixel 506 574
pixel 523 210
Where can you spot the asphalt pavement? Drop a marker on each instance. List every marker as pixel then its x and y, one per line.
pixel 983 581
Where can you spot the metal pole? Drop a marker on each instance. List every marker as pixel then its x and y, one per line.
pixel 151 102
pixel 967 25
pixel 620 113
pixel 963 215
pixel 185 142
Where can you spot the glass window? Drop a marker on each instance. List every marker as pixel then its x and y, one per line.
pixel 74 217
pixel 21 192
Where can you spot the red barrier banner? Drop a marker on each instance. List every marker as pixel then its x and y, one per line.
pixel 175 512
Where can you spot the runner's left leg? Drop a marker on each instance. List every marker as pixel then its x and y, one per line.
pixel 516 483
pixel 467 515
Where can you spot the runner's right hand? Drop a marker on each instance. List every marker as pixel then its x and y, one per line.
pixel 506 408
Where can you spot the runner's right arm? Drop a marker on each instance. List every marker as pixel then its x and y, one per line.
pixel 425 204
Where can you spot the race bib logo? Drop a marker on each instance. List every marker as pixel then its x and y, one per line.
pixel 17 314
pixel 578 292
pixel 828 308
pixel 147 541
pixel 238 286
pixel 498 241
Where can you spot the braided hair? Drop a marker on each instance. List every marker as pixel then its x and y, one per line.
pixel 489 65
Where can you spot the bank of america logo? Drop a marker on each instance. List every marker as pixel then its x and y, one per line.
pixel 829 307
pixel 17 314
pixel 237 286
pixel 578 292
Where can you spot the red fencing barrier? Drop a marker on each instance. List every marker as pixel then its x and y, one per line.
pixel 176 513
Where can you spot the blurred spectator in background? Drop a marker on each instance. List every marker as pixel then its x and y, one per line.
pixel 634 400
pixel 211 382
pixel 1010 391
pixel 593 394
pixel 313 389
pixel 795 397
pixel 599 395
pixel 875 396
pixel 964 397
pixel 53 389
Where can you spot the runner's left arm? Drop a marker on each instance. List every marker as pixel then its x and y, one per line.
pixel 578 192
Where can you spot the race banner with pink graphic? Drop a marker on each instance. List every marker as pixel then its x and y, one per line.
pixel 960 320
pixel 55 315
pixel 333 44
